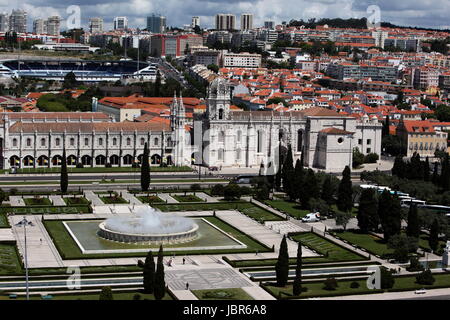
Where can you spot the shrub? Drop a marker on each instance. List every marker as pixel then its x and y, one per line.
pixel 354 285
pixel 414 265
pixel 108 165
pixel 13 191
pixel 330 284
pixel 217 190
pixel 371 158
pixel 425 277
pixel 80 165
pixel 387 278
pixel 137 296
pixel 232 192
pixel 195 187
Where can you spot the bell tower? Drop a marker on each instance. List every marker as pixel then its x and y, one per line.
pixel 219 100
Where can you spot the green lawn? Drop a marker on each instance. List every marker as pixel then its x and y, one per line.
pixel 68 249
pixel 424 242
pixel 75 201
pixel 4 221
pixel 222 294
pixel 326 247
pixel 291 208
pixel 371 243
pixel 115 199
pixel 9 260
pixel 45 210
pixel 246 208
pixel 37 201
pixel 150 199
pixel 187 198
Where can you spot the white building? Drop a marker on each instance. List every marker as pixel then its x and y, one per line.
pixel 39 26
pixel 242 60
pixel 95 25
pixel 195 22
pixel 120 23
pixel 53 25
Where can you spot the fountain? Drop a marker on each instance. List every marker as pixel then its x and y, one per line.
pixel 149 226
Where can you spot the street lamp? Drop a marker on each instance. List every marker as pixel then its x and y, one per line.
pixel 23 223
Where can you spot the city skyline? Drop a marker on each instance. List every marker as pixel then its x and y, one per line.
pixel 412 13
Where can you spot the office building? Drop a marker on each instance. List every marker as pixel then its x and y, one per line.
pixel 225 21
pixel 4 22
pixel 18 21
pixel 269 24
pixel 156 23
pixel 120 23
pixel 195 22
pixel 95 25
pixel 246 21
pixel 53 25
pixel 39 26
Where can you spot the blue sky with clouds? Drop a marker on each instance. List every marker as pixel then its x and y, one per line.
pixel 425 13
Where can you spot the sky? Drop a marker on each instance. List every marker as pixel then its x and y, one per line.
pixel 423 13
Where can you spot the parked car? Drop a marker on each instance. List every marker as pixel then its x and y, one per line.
pixel 311 217
pixel 213 169
pixel 420 291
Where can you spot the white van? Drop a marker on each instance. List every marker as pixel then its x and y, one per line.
pixel 311 217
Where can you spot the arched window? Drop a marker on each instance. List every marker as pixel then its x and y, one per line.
pixel 221 136
pixel 299 140
pixel 28 142
pixel 100 141
pixel 42 142
pixel 142 141
pixel 86 141
pixel 260 140
pixel 238 154
pixel 72 141
pixel 114 141
pixel 220 114
pixel 220 155
pixel 437 146
pixel 14 142
pixel 57 141
pixel 426 145
pixel 156 141
pixel 239 136
pixel 128 141
pixel 431 146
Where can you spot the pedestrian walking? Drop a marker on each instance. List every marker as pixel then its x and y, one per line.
pixel 184 260
pixel 187 285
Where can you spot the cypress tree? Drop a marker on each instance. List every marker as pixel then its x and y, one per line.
pixel 413 228
pixel 384 205
pixel 445 173
pixel 399 167
pixel 160 284
pixel 149 273
pixel 288 174
pixel 145 169
pixel 278 178
pixel 385 130
pixel 310 190
pixel 367 211
pixel 435 177
pixel 433 240
pixel 393 219
pixel 64 182
pixel 327 191
pixel 297 286
pixel 344 197
pixel 157 85
pixel 426 170
pixel 282 265
pixel 298 179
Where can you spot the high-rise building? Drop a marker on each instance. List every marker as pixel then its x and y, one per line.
pixel 195 22
pixel 53 24
pixel 225 21
pixel 269 24
pixel 120 23
pixel 39 26
pixel 156 23
pixel 95 25
pixel 18 21
pixel 246 21
pixel 4 22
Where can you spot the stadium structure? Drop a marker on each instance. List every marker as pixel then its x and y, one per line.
pixel 84 70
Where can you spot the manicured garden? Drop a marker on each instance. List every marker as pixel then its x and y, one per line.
pixel 9 260
pixel 371 243
pixel 113 199
pixel 103 170
pixel 325 247
pixel 70 201
pixel 45 210
pixel 222 294
pixel 4 221
pixel 37 201
pixel 130 295
pixel 187 198
pixel 291 208
pixel 150 199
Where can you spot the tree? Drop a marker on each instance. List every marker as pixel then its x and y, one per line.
pixel 435 176
pixel 392 225
pixel 64 181
pixel 282 265
pixel 232 192
pixel 433 240
pixel 358 158
pixel 149 273
pixel 399 167
pixel 442 113
pixel 70 81
pixel 310 189
pixel 145 169
pixel 387 278
pixel 330 284
pixel 213 67
pixel 106 294
pixel 425 277
pixel 413 228
pixel 157 86
pixel 160 284
pixel 385 130
pixel 368 211
pixel 288 175
pixel 344 198
pixel 342 218
pixel 327 193
pixel 297 285
pixel 402 246
pixel 426 170
pixel 298 179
